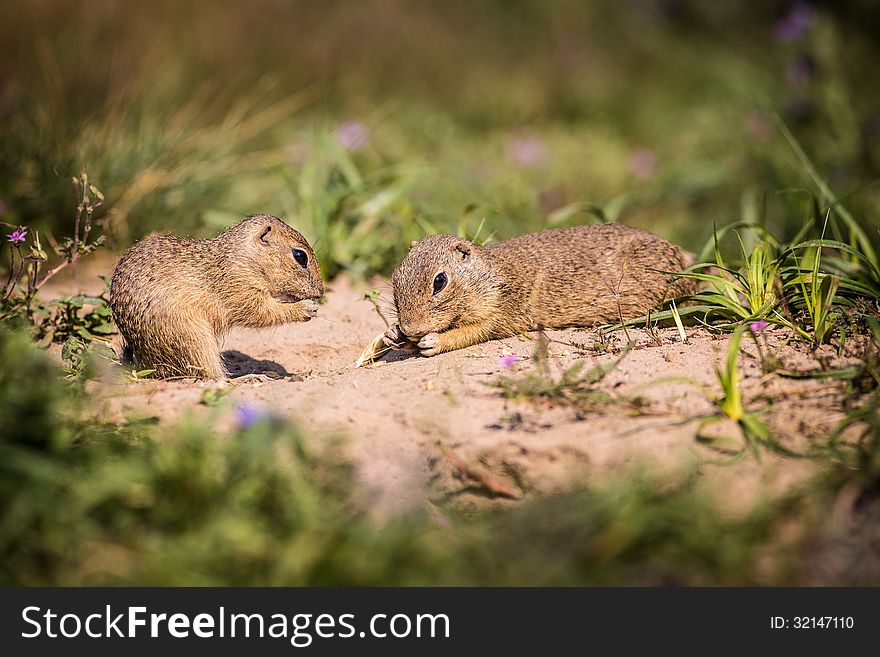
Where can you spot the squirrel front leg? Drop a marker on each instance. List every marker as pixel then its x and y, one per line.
pixel 301 311
pixel 271 312
pixel 455 338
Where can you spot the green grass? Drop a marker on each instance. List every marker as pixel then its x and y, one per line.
pixel 753 428
pixel 803 284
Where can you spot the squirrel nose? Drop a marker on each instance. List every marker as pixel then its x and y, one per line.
pixel 407 330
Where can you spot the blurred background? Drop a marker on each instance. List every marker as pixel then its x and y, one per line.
pixel 368 124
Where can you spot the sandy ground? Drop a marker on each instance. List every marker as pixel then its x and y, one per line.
pixel 429 429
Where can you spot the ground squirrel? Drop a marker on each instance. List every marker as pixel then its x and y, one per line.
pixel 451 293
pixel 173 299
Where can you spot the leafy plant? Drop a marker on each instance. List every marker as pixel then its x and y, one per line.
pixel 81 315
pixel 745 294
pixel 138 375
pixel 83 358
pixel 753 428
pixel 818 292
pixel 58 319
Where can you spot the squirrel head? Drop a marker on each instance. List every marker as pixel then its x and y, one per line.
pixel 443 281
pixel 283 260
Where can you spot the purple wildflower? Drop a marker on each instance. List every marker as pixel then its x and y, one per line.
pixel 18 236
pixel 507 361
pixel 352 135
pixel 526 151
pixel 796 23
pixel 642 163
pixel 247 416
pixel 760 325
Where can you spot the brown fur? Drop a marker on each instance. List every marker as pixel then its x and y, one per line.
pixel 556 278
pixel 174 299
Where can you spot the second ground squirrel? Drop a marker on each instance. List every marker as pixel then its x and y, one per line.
pixel 451 293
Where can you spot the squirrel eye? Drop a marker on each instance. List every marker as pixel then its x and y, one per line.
pixel 440 281
pixel 301 257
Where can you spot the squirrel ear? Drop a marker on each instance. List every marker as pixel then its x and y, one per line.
pixel 464 248
pixel 264 234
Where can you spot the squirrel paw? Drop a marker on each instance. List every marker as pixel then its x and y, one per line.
pixel 309 309
pixel 393 337
pixel 429 345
